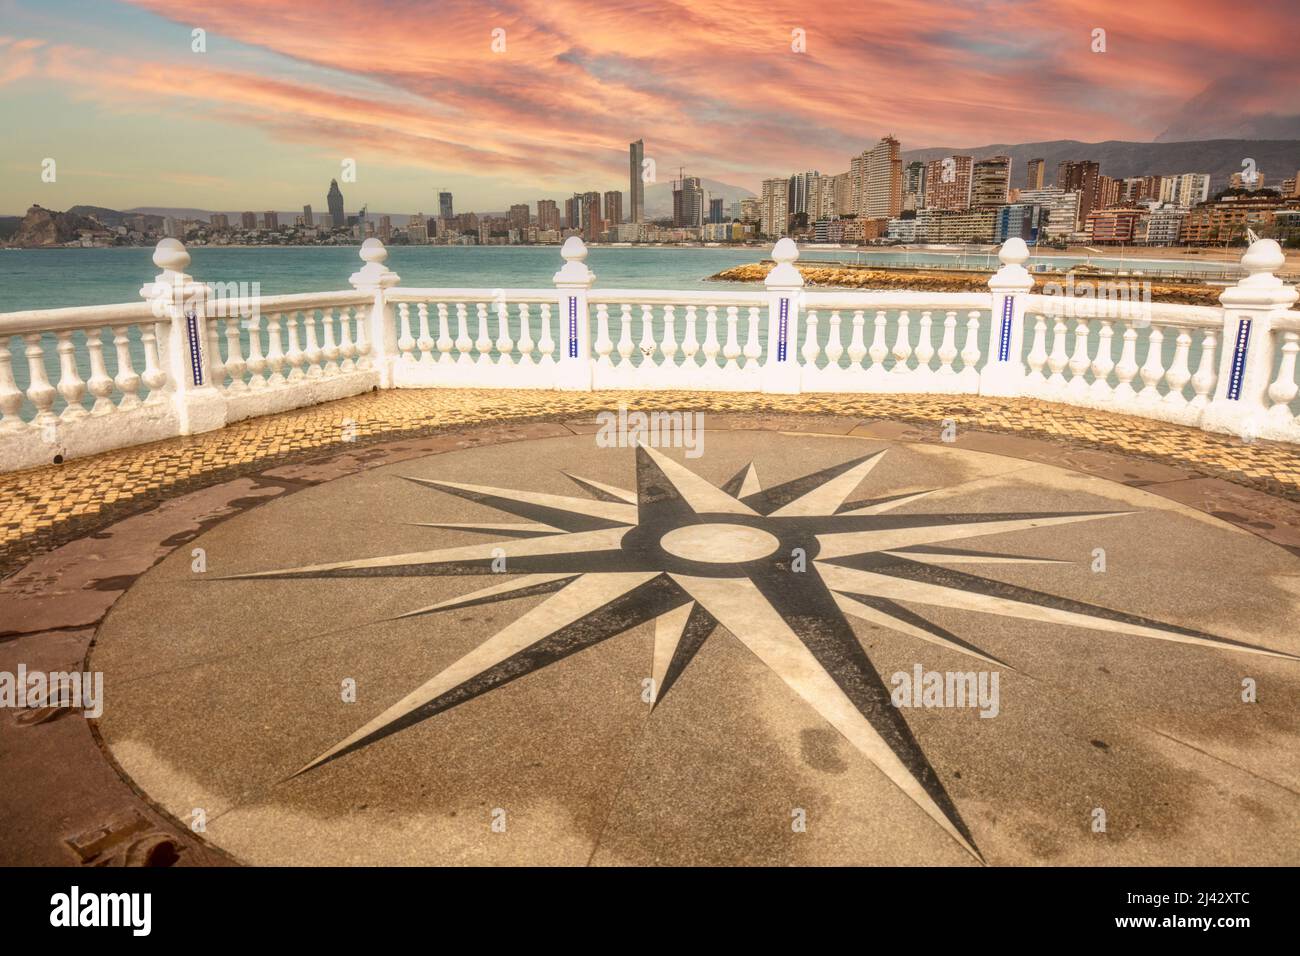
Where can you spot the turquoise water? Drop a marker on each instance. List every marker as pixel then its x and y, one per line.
pixel 53 278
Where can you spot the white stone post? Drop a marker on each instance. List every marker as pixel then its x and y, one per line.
pixel 781 371
pixel 1004 369
pixel 573 282
pixel 374 279
pixel 1240 405
pixel 180 307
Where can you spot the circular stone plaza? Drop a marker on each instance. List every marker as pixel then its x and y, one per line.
pixel 473 627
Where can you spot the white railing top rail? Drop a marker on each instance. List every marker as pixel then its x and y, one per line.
pixel 739 297
pixel 74 317
pixel 937 301
pixel 1160 313
pixel 440 294
pixel 1288 321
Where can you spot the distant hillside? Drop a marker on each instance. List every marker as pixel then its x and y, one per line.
pixel 1277 159
pixel 111 217
pixel 659 197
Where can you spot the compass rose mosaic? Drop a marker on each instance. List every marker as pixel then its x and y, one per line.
pixel 784 568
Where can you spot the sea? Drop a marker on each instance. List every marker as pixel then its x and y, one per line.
pixel 55 278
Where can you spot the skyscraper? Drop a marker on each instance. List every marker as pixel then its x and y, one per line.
pixel 548 214
pixel 593 225
pixel 715 210
pixel 688 202
pixel 636 188
pixel 989 182
pixel 774 221
pixel 877 181
pixel 613 207
pixel 947 183
pixel 444 205
pixel 334 201
pixel 519 217
pixel 801 193
pixel 1080 176
pixel 307 219
pixel 1035 178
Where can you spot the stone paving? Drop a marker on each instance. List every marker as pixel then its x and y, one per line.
pixel 43 507
pixel 97 564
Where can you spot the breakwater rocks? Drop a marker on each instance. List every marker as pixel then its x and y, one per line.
pixel 938 280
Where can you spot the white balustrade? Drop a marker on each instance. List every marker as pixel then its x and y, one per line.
pixel 77 381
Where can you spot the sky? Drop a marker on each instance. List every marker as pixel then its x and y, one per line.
pixel 508 102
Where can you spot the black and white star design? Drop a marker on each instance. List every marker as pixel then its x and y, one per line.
pixel 779 568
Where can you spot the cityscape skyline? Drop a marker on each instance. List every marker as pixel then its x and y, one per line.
pixel 267 105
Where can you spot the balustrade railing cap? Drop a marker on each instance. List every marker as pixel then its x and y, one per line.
pixel 784 275
pixel 574 272
pixel 1261 288
pixel 374 274
pixel 1012 276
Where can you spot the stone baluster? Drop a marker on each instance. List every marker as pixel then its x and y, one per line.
pixel 1080 362
pixel 857 344
pixel 329 348
pixel 902 350
pixel 101 385
pixel 1283 390
pixel 11 397
pixel 463 342
pixel 275 350
pixel 834 343
pixel 444 336
pixel 424 341
pixel 647 344
pixel 546 344
pixel 362 344
pixel 216 367
pixel 1103 362
pixel 71 386
pixel 483 342
pixel 1037 357
pixel 878 349
pixel 668 346
pixel 603 344
pixel 294 355
pixel 256 363
pixel 1127 368
pixel 405 340
pixel 970 350
pixel 40 392
pixel 625 346
pixel 154 377
pixel 505 344
pixel 948 347
pixel 126 379
pixel 312 352
pixel 753 347
pixel 731 351
pixel 711 347
pixel 924 344
pixel 1153 369
pixel 811 349
pixel 525 335
pixel 1180 372
pixel 235 364
pixel 690 343
pixel 1206 372
pixel 1058 359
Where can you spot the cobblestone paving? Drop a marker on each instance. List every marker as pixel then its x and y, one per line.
pixel 43 507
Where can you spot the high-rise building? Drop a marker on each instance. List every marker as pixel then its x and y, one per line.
pixel 635 186
pixel 219 220
pixel 913 185
pixel 613 207
pixel 1185 189
pixel 385 228
pixel 548 214
pixel 751 210
pixel 801 193
pixel 990 180
pixel 248 220
pixel 593 224
pixel 1080 176
pixel 445 209
pixel 307 219
pixel 688 202
pixel 519 216
pixel 1034 180
pixel 334 202
pixel 417 229
pixel 948 183
pixel 774 220
pixel 715 210
pixel 1061 208
pixel 876 181
pixel 573 212
pixel 270 221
